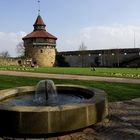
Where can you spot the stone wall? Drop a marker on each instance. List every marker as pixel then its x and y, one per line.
pixel 41 56
pixel 103 58
pixel 36 56
pixel 9 61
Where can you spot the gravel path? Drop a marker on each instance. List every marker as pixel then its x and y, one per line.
pixel 66 76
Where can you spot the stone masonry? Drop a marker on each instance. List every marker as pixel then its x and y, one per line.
pixel 40 45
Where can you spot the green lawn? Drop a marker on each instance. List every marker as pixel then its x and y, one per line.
pixel 115 91
pixel 111 72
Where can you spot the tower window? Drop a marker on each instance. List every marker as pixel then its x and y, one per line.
pixel 41 51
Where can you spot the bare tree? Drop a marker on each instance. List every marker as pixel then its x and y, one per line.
pixel 5 54
pixel 82 49
pixel 21 49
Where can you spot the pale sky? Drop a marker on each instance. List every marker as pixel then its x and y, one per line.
pixel 100 24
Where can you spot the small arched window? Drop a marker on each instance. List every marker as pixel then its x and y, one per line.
pixel 41 51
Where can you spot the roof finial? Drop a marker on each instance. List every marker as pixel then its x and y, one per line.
pixel 38 7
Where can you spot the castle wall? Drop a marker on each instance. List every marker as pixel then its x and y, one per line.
pixel 9 61
pixel 41 56
pixel 45 56
pixel 103 58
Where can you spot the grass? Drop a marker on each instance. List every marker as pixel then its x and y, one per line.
pixel 109 72
pixel 115 91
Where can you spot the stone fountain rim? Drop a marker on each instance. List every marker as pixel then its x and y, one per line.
pixel 7 93
pixel 48 120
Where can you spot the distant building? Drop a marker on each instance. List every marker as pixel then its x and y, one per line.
pixel 129 57
pixel 40 45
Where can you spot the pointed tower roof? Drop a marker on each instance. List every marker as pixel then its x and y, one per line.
pixel 39 21
pixel 39 24
pixel 39 30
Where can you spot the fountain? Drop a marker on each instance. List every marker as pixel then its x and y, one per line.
pixel 48 108
pixel 46 93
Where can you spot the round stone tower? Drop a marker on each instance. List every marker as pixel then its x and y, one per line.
pixel 40 45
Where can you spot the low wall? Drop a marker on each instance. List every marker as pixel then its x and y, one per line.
pixel 9 61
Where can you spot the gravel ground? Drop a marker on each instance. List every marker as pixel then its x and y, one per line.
pixel 65 76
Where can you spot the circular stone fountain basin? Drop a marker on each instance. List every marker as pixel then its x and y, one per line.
pixel 90 108
pixel 67 96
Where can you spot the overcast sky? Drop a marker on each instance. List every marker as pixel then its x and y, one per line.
pixel 100 24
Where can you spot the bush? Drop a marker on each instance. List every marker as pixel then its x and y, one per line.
pixel 60 61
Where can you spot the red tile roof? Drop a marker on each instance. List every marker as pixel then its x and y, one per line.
pixel 39 34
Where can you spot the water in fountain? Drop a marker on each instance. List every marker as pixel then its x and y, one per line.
pixel 46 92
pixel 46 95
